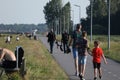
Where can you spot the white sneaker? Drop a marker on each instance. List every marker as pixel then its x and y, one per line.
pixel 77 74
pixel 83 78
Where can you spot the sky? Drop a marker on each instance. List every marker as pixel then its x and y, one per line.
pixel 31 11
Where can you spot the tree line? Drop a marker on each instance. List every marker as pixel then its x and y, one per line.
pixel 100 17
pixel 58 16
pixel 25 28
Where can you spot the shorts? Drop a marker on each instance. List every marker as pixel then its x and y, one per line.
pixel 8 64
pixel 96 65
pixel 75 53
pixel 82 59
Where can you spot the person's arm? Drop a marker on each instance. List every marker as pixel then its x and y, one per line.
pixel 2 55
pixel 104 58
pixel 89 51
pixel 47 35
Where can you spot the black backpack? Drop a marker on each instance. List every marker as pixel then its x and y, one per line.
pixel 65 37
pixel 51 37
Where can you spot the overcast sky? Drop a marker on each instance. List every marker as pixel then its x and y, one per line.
pixel 31 11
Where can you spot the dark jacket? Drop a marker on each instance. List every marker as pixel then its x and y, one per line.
pixel 51 36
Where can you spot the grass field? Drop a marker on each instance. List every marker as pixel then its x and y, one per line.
pixel 39 63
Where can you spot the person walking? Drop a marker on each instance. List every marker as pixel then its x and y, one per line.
pixel 82 54
pixel 64 40
pixel 76 35
pixel 51 39
pixel 97 53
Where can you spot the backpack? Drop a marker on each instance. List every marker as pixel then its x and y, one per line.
pixel 65 37
pixel 51 37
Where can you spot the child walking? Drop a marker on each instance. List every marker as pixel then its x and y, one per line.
pixel 97 53
pixel 82 53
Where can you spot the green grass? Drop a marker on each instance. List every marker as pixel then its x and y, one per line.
pixel 114 52
pixel 39 63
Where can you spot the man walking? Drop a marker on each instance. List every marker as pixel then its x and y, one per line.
pixel 75 38
pixel 51 39
pixel 64 40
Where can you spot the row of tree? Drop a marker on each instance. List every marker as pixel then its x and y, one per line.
pixel 58 16
pixel 19 28
pixel 100 17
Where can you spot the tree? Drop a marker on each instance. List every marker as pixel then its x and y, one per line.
pixel 99 9
pixel 66 17
pixel 51 11
pixel 100 16
pixel 58 16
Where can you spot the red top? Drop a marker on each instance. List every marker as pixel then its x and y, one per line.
pixel 97 53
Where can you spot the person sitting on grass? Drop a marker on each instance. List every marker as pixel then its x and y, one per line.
pixel 7 58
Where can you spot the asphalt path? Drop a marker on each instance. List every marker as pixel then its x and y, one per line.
pixel 111 71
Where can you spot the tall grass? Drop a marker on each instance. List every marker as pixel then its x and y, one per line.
pixel 39 62
pixel 114 52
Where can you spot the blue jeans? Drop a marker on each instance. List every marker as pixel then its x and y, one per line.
pixel 75 52
pixel 82 59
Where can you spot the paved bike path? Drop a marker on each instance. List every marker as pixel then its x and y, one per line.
pixel 111 71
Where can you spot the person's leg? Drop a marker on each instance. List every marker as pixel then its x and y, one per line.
pixel 51 47
pixel 75 55
pixel 84 59
pixel 100 70
pixel 100 73
pixel 80 66
pixel 67 48
pixel 9 64
pixel 64 47
pixel 95 73
pixel 95 70
pixel 77 66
